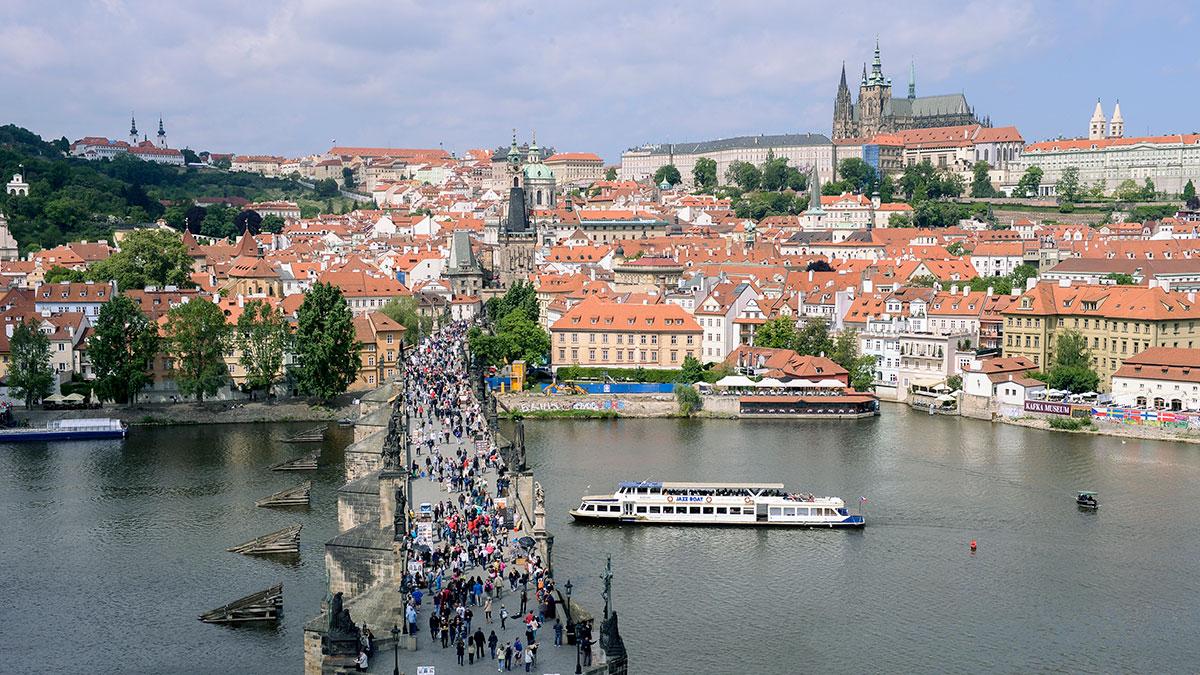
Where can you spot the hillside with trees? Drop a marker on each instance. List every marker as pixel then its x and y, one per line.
pixel 72 198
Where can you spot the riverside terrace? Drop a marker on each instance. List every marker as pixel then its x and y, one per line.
pixel 385 529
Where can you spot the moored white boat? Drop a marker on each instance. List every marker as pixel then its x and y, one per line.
pixel 651 503
pixel 67 430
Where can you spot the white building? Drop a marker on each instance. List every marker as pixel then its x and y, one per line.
pixel 802 151
pixel 1165 378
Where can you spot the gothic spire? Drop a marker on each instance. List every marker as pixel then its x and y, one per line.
pixel 161 131
pixel 842 87
pixel 877 65
pixel 912 79
pixel 864 75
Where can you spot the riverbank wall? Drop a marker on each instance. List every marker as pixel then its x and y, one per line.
pixel 209 412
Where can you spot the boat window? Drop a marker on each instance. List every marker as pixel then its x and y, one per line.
pixel 789 511
pixel 774 510
pixel 721 510
pixel 641 509
pixel 656 509
pixel 708 510
pixel 693 509
pixel 802 510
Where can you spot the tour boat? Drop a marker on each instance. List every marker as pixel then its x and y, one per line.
pixel 714 504
pixel 66 430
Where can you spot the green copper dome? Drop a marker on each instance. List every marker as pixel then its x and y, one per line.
pixel 538 171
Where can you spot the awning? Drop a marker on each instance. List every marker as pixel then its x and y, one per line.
pixel 53 398
pixel 73 398
pixel 734 381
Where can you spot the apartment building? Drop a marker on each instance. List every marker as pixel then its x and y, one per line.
pixel 597 332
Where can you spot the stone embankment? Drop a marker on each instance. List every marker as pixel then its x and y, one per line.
pixel 535 405
pixel 216 412
pixel 1109 429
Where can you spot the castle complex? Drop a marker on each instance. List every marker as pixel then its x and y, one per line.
pixel 877 112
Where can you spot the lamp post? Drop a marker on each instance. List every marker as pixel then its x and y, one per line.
pixel 578 651
pixel 570 624
pixel 396 649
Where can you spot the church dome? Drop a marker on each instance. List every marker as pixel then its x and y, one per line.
pixel 538 171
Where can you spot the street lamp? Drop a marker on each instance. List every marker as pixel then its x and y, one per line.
pixel 578 651
pixel 396 649
pixel 570 625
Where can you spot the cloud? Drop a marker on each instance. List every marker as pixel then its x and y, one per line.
pixel 286 76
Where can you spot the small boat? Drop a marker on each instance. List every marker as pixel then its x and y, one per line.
pixel 67 430
pixel 651 503
pixel 1087 500
pixel 345 422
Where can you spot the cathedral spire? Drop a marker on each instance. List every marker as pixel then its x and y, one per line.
pixel 912 79
pixel 514 155
pixel 162 133
pixel 842 86
pixel 864 75
pixel 876 65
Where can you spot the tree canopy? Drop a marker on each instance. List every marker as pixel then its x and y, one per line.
pixel 668 173
pixel 262 336
pixel 146 258
pixel 198 338
pixel 122 348
pixel 704 174
pixel 405 311
pixel 30 375
pixel 326 346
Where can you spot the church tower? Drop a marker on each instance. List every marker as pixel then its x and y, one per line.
pixel 133 133
pixel 1098 124
pixel 162 134
pixel 912 80
pixel 843 110
pixel 1116 128
pixel 874 100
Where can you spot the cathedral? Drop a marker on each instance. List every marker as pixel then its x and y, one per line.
pixel 877 112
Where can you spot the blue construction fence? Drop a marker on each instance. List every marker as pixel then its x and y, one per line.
pixel 592 387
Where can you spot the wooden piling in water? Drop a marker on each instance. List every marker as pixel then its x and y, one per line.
pixel 294 496
pixel 285 541
pixel 264 605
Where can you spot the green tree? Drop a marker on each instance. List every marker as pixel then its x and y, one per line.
pixel 668 173
pixel 777 333
pixel 190 156
pixel 520 297
pixel 775 173
pixel 146 258
pixel 956 249
pixel 198 337
pixel 610 173
pixel 981 182
pixel 29 373
pixel 813 339
pixel 1029 183
pixel 887 189
pixel 860 175
pixel 218 221
pixel 1098 190
pixel 325 342
pixel 1070 367
pixel 1128 191
pixel 1121 278
pixel 692 370
pixel 326 188
pixel 688 399
pixel 1148 190
pixel 404 311
pixel 1067 186
pixel 122 348
pixel 262 337
pixel 1189 190
pixel 704 174
pixel 525 338
pixel 272 224
pixel 744 174
pixel 845 348
pixel 348 178
pixel 59 273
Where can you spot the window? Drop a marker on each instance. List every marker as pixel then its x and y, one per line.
pixel 657 509
pixel 789 511
pixel 721 510
pixel 694 509
pixel 775 510
pixel 641 509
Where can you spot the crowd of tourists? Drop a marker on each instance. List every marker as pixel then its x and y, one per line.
pixel 472 568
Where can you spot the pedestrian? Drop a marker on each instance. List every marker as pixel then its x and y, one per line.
pixel 503 617
pixel 528 658
pixel 478 639
pixel 433 626
pixel 360 664
pixel 460 649
pixel 499 660
pixel 558 633
pixel 508 654
pixel 524 600
pixel 487 609
pixel 492 640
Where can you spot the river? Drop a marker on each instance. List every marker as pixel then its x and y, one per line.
pixel 112 549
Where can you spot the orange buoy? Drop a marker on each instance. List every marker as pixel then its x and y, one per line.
pixel 973 546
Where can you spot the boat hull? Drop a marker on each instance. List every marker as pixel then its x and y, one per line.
pixel 851 522
pixel 9 437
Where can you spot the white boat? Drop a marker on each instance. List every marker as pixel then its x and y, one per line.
pixel 651 503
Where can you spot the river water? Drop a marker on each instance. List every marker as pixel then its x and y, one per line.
pixel 112 549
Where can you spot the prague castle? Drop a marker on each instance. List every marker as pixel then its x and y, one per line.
pixel 877 112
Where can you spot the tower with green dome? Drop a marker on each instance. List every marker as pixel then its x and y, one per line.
pixel 539 179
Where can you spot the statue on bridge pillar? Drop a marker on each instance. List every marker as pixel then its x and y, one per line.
pixel 342 634
pixel 610 635
pixel 519 443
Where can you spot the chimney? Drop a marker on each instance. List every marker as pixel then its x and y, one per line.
pixel 953 289
pixel 241 300
pixel 1153 283
pixel 1191 296
pixel 966 291
pixel 990 290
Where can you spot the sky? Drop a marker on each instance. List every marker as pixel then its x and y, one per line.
pixel 289 77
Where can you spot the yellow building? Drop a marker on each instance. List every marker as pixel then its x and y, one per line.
pixel 601 333
pixel 1116 321
pixel 379 349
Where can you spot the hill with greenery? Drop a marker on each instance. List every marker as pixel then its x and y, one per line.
pixel 72 198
